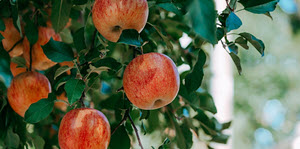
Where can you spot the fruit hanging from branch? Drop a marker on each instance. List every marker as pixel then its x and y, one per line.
pixel 39 60
pixel 27 88
pixel 111 17
pixel 12 39
pixel 84 128
pixel 151 81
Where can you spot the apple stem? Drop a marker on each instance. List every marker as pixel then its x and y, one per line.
pixel 30 58
pixel 15 45
pixel 136 131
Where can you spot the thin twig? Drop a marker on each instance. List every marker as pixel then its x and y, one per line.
pixel 136 132
pixel 122 121
pixel 231 9
pixel 15 45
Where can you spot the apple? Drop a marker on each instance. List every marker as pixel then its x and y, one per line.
pixel 84 128
pixel 27 88
pixel 111 17
pixel 39 60
pixel 14 70
pixel 61 105
pixel 151 81
pixel 11 37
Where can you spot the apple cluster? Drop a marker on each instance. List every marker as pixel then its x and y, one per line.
pixel 150 81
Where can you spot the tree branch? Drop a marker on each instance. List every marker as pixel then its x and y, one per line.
pixel 122 121
pixel 15 45
pixel 136 131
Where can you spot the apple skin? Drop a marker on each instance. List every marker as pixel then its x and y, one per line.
pixel 151 81
pixel 14 70
pixel 84 128
pixel 61 105
pixel 27 88
pixel 11 36
pixel 39 60
pixel 111 17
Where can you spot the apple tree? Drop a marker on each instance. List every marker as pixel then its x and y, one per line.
pixel 91 56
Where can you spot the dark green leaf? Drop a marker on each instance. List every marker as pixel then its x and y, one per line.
pixel 233 48
pixel 233 22
pixel 131 37
pixel 184 136
pixel 144 114
pixel 194 79
pixel 221 138
pixel 74 89
pixel 79 40
pixel 61 70
pixel 207 102
pixel 259 6
pixel 31 32
pixel 12 139
pixel 108 62
pixel 165 144
pixel 203 17
pixel 58 51
pixel 5 73
pixel 60 14
pixel 1 37
pixel 170 7
pixel 3 101
pixel 242 42
pixel 237 62
pixel 20 61
pixel 120 139
pixel 40 110
pixel 79 2
pixel 2 25
pixel 220 33
pixel 257 43
pixel 38 142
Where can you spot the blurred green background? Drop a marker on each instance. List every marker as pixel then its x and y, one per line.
pixel 267 95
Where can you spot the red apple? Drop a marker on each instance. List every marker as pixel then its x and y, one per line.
pixel 151 81
pixel 84 128
pixel 25 89
pixel 11 36
pixel 39 60
pixel 111 17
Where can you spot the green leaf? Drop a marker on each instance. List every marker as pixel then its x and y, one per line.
pixel 58 51
pixel 120 139
pixel 144 114
pixel 12 139
pixel 242 42
pixel 207 102
pixel 79 40
pixel 170 7
pixel 20 61
pixel 203 17
pixel 166 39
pixel 131 37
pixel 61 70
pixel 233 22
pixel 1 37
pixel 5 73
pixel 233 47
pixel 220 33
pixel 60 14
pixel 79 2
pixel 221 138
pixel 108 62
pixel 40 110
pixel 66 36
pixel 257 43
pixel 31 32
pixel 74 89
pixel 38 141
pixel 3 102
pixel 2 25
pixel 165 144
pixel 194 79
pixel 259 6
pixel 184 137
pixel 237 62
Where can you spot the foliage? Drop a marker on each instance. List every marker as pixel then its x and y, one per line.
pixel 96 78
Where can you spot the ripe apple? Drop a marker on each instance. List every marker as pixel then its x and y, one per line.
pixel 14 70
pixel 151 81
pixel 111 17
pixel 61 105
pixel 27 88
pixel 84 128
pixel 39 60
pixel 11 37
